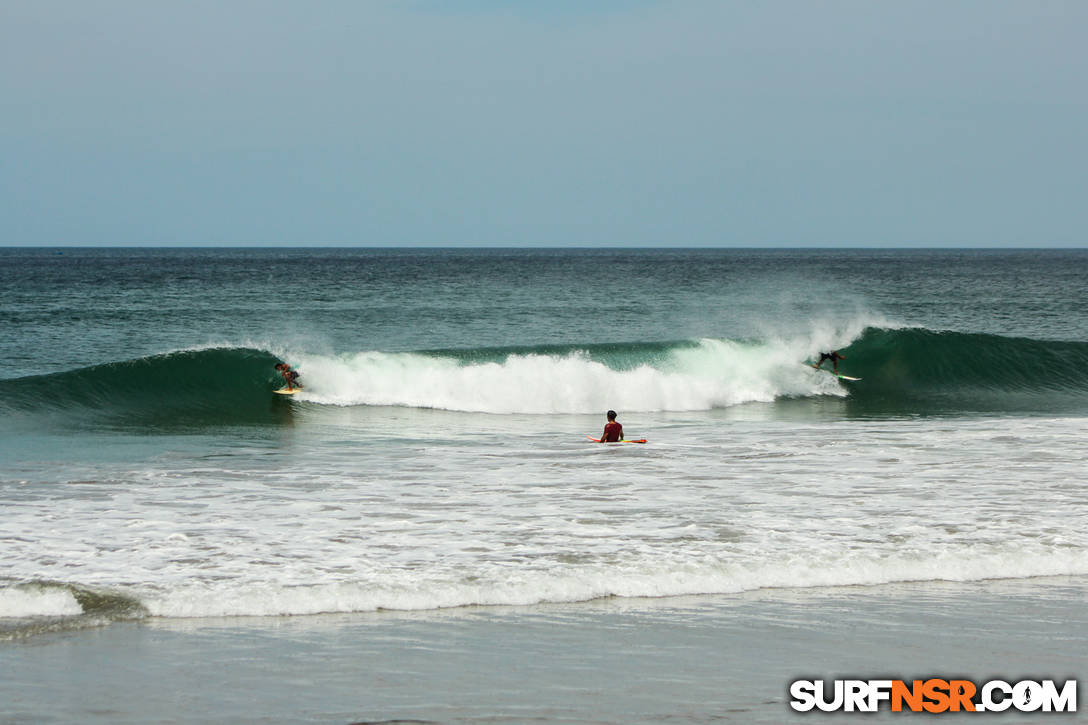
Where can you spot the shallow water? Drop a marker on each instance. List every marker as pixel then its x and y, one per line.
pixel 726 658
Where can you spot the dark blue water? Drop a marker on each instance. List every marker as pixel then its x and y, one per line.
pixel 929 331
pixel 69 308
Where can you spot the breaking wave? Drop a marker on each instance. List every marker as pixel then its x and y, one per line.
pixel 902 370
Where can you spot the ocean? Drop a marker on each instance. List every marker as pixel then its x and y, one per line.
pixel 425 534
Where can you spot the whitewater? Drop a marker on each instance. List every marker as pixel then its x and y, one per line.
pixel 707 374
pixel 426 509
pixel 415 481
pixel 437 456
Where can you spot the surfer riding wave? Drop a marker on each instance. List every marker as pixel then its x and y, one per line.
pixel 290 376
pixel 833 356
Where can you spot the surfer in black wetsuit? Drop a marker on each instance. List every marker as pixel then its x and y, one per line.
pixel 833 356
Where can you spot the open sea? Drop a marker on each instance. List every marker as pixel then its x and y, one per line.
pixel 424 533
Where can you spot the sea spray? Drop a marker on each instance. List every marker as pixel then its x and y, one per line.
pixel 903 371
pixel 701 376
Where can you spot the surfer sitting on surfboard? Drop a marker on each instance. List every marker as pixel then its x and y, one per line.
pixel 833 356
pixel 613 431
pixel 289 375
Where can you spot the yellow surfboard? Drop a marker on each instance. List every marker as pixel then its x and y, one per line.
pixel 287 391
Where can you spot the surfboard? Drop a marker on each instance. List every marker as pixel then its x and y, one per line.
pixel 840 377
pixel 598 440
pixel 287 391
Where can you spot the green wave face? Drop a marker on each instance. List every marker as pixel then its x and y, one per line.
pixel 922 371
pixel 200 388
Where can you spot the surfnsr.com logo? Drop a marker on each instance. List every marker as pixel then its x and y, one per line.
pixel 933 695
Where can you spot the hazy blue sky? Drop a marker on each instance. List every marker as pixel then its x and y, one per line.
pixel 639 123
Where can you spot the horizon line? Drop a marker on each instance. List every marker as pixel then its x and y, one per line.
pixel 512 246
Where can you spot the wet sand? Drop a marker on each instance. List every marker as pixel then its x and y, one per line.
pixel 720 659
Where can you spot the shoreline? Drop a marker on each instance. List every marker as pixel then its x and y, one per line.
pixel 721 658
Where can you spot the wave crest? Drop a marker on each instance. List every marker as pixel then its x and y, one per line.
pixel 903 371
pixel 680 377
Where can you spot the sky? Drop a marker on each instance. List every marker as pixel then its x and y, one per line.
pixel 480 123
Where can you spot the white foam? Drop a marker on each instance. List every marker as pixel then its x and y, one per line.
pixel 37 601
pixel 358 509
pixel 578 584
pixel 712 374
